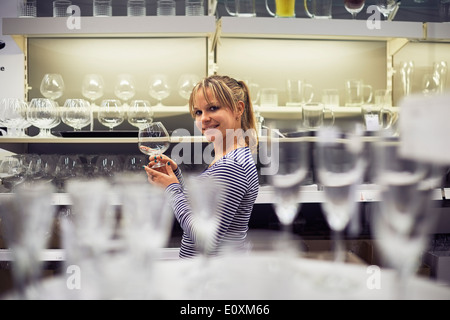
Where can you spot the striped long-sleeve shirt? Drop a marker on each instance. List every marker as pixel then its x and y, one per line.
pixel 237 175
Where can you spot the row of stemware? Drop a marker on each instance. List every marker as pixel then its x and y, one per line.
pixel 17 115
pixel 93 86
pixel 59 168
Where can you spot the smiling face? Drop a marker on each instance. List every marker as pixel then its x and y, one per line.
pixel 213 119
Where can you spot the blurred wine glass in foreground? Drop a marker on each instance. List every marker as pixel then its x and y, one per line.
pixel 27 222
pixel 340 167
pixel 403 220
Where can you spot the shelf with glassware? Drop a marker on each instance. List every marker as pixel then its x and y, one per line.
pixel 148 26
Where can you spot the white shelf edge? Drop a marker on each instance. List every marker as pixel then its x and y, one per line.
pixel 307 28
pixel 308 194
pixel 438 30
pixel 169 26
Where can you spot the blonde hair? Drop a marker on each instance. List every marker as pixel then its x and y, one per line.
pixel 228 93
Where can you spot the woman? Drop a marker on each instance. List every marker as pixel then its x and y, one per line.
pixel 223 112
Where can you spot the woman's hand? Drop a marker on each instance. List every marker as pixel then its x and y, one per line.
pixel 164 175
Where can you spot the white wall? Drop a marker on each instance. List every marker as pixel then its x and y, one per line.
pixel 11 58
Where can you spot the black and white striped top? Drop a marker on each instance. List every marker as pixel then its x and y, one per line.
pixel 237 175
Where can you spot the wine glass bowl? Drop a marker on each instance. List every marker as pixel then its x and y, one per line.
pixel 402 221
pixel 13 115
pixel 52 86
pixel 111 113
pixel 140 113
pixel 43 113
pixel 92 87
pixel 340 166
pixel 159 88
pixel 153 140
pixel 12 172
pixel 76 113
pixel 186 82
pixel 124 88
pixel 354 6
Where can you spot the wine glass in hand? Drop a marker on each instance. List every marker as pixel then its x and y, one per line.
pixel 354 6
pixel 153 140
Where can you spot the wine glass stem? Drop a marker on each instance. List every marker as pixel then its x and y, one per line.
pixel 339 247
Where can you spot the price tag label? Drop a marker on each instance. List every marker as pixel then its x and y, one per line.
pixel 424 124
pixel 372 122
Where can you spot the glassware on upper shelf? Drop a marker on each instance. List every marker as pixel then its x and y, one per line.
pixel 124 88
pixel 386 7
pixel 354 6
pixel 407 74
pixel 159 87
pixel 92 87
pixel 52 86
pixel 186 83
pixel 111 113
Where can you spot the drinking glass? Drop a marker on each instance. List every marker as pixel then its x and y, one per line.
pixel 145 225
pixel 440 70
pixel 354 7
pixel 102 8
pixel 111 113
pixel 153 140
pixel 60 8
pixel 140 113
pixel 52 86
pixel 92 87
pixel 340 167
pixel 402 223
pixel 67 168
pixel 186 82
pixel 33 166
pixel 194 8
pixel 386 7
pixel 28 219
pixel 108 165
pixel 430 84
pixel 407 73
pixel 124 88
pixel 13 115
pixel 76 113
pixel 134 163
pixel 166 8
pixel 159 87
pixel 26 8
pixel 12 172
pixel 136 8
pixel 43 114
pixel 290 160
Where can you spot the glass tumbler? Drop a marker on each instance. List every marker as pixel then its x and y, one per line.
pixel 136 8
pixel 60 8
pixel 194 7
pixel 102 8
pixel 166 8
pixel 26 8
